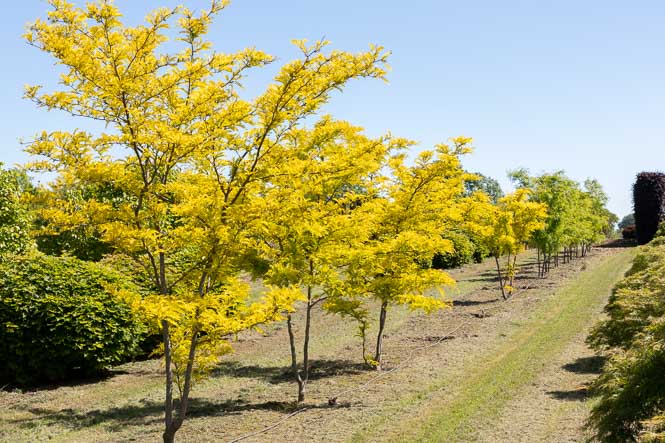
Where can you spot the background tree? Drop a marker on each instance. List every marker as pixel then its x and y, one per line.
pixel 15 217
pixel 485 184
pixel 627 221
pixel 64 228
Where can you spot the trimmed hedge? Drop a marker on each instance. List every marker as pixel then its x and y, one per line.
pixel 649 202
pixel 60 318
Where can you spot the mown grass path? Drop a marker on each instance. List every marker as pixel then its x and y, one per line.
pixel 467 408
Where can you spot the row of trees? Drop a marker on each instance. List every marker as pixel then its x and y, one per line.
pixel 191 187
pixel 577 216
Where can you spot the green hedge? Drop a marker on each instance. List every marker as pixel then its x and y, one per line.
pixel 59 318
pixel 631 388
pixel 463 253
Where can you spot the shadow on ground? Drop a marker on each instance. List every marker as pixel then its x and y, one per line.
pixel 586 365
pixel 146 413
pixel 73 379
pixel 580 394
pixel 583 365
pixel 619 243
pixel 319 369
pixel 475 302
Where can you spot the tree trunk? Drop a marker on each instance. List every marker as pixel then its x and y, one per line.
pixel 362 329
pixel 305 347
pixel 498 270
pixel 169 432
pixel 294 360
pixel 379 338
pixel 169 435
pixel 514 272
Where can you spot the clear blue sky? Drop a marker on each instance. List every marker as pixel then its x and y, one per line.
pixel 547 85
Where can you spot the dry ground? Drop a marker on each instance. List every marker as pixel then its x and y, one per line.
pixel 426 359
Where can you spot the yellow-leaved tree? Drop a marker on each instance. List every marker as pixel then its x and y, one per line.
pixel 312 220
pixel 188 155
pixel 505 228
pixel 413 206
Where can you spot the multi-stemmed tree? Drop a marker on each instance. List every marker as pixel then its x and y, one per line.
pixel 505 228
pixel 414 205
pixel 313 220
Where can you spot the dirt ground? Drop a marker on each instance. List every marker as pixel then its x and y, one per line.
pixel 252 388
pixel 554 408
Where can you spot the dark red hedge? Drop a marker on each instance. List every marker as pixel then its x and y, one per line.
pixel 648 202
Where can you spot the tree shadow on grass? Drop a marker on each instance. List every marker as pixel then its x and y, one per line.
pixel 319 369
pixel 579 394
pixel 491 276
pixel 146 413
pixel 73 379
pixel 488 276
pixel 586 365
pixel 475 302
pixel 583 365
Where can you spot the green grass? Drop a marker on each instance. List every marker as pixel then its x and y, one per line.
pixel 482 393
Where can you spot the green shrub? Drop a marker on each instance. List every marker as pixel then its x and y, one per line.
pixel 481 251
pixel 60 317
pixel 14 215
pixel 631 389
pixel 632 397
pixel 462 254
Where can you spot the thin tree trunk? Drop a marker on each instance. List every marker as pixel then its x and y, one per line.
pixel 379 338
pixel 169 422
pixel 514 272
pixel 189 372
pixel 498 270
pixel 305 347
pixel 294 358
pixel 362 329
pixel 169 433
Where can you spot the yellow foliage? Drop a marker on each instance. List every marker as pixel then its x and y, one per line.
pixel 178 181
